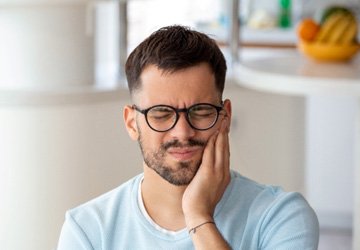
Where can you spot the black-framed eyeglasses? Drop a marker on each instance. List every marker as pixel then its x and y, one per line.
pixel 162 118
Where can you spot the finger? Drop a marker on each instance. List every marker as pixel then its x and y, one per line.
pixel 227 144
pixel 226 167
pixel 221 146
pixel 224 164
pixel 209 152
pixel 228 141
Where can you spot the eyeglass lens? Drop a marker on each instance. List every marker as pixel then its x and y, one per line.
pixel 162 118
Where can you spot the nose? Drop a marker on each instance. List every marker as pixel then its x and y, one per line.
pixel 182 129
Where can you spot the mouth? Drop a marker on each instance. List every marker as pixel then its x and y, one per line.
pixel 184 154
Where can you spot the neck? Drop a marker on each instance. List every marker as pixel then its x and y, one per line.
pixel 163 200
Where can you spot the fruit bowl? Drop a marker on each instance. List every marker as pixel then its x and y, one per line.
pixel 328 52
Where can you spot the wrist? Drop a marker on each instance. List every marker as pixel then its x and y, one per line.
pixel 194 220
pixel 194 229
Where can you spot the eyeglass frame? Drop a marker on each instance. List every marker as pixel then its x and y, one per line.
pixel 177 111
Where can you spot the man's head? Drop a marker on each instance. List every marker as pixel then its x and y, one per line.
pixel 174 48
pixel 176 79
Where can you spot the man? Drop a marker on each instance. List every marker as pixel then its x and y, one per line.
pixel 187 196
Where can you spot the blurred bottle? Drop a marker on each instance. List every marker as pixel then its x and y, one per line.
pixel 284 18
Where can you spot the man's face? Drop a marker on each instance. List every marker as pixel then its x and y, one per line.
pixel 176 154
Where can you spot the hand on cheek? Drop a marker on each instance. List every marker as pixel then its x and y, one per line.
pixel 209 184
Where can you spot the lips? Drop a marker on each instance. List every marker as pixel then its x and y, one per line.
pixel 183 154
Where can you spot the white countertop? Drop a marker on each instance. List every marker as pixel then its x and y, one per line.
pixel 292 73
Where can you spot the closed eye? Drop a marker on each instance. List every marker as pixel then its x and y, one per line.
pixel 160 113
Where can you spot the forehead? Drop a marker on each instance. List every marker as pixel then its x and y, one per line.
pixel 179 88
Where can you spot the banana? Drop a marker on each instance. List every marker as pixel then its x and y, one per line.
pixel 339 29
pixel 336 40
pixel 351 32
pixel 328 26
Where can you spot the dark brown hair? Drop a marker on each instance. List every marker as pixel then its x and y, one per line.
pixel 174 48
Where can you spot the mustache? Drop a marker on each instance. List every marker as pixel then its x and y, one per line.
pixel 176 144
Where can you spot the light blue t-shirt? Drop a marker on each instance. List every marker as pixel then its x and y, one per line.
pixel 249 216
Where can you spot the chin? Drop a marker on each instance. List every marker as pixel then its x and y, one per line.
pixel 183 174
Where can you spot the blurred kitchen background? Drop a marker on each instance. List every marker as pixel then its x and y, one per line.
pixel 62 89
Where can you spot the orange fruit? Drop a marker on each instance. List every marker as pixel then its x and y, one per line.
pixel 307 29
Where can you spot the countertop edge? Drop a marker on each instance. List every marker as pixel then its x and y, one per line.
pixel 293 84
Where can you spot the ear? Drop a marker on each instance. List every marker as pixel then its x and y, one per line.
pixel 130 122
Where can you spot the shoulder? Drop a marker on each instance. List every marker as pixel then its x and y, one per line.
pixel 109 202
pixel 276 215
pixel 287 221
pixel 104 210
pixel 87 225
pixel 264 197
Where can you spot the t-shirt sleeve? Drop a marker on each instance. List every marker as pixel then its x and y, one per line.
pixel 72 237
pixel 290 223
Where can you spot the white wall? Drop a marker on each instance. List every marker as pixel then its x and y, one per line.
pixel 267 137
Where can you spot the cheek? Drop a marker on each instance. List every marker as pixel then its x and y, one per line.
pixel 150 140
pixel 153 143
